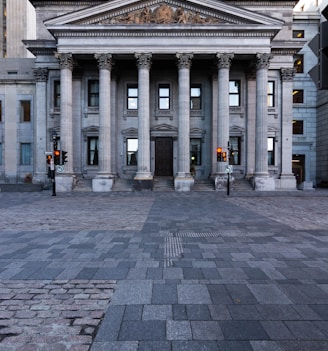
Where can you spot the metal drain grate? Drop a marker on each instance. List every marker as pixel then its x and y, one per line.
pixel 222 233
pixel 172 249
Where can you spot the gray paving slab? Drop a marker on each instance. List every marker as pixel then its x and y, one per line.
pixel 164 272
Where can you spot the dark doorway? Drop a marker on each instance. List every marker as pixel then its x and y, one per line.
pixel 299 168
pixel 164 157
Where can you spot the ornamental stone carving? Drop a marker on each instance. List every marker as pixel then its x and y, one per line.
pixel 65 60
pixel 263 61
pixel 143 60
pixel 287 74
pixel 41 74
pixel 184 60
pixel 105 61
pixel 224 60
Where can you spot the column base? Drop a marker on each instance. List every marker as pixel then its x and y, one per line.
pixel 64 183
pixel 183 183
pixel 102 183
pixel 286 182
pixel 264 183
pixel 307 185
pixel 221 182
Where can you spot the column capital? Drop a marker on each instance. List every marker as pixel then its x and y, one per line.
pixel 41 74
pixel 65 60
pixel 287 74
pixel 143 59
pixel 224 60
pixel 184 60
pixel 105 61
pixel 263 60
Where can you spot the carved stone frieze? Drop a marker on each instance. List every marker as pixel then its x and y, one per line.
pixel 287 74
pixel 263 61
pixel 41 74
pixel 184 60
pixel 143 60
pixel 105 61
pixel 65 60
pixel 224 60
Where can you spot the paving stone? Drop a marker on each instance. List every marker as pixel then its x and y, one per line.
pixel 143 330
pixel 243 330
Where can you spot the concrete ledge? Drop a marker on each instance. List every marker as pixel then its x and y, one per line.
pixel 143 184
pixel 64 184
pixel 264 184
pixel 183 183
pixel 7 188
pixel 102 184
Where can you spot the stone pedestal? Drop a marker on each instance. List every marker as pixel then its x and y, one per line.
pixel 102 184
pixel 307 185
pixel 221 182
pixel 264 184
pixel 64 183
pixel 286 183
pixel 183 183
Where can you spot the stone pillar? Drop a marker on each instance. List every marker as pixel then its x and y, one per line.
pixel 287 179
pixel 104 179
pixel 143 178
pixel 40 126
pixel 224 63
pixel 64 182
pixel 262 181
pixel 183 180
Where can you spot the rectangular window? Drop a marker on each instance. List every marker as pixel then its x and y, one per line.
pixel 56 93
pixel 195 152
pixel 164 97
pixel 25 154
pixel 195 97
pixel 93 93
pixel 298 63
pixel 234 93
pixel 132 152
pixel 298 96
pixel 298 34
pixel 297 127
pixel 25 111
pixel 0 154
pixel 93 151
pixel 271 143
pixel 132 100
pixel 0 111
pixel 270 94
pixel 234 152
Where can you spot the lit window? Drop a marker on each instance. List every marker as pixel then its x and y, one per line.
pixel 164 97
pixel 298 34
pixel 195 98
pixel 195 152
pixel 234 150
pixel 297 127
pixel 93 93
pixel 25 154
pixel 298 96
pixel 132 98
pixel 271 142
pixel 93 151
pixel 298 63
pixel 56 93
pixel 132 152
pixel 270 94
pixel 25 111
pixel 234 93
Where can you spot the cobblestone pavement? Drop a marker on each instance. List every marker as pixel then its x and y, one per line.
pixel 164 272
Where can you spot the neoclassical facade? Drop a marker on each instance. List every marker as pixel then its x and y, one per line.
pixel 144 89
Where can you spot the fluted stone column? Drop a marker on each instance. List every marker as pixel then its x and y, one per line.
pixel 104 179
pixel 143 178
pixel 64 182
pixel 262 179
pixel 183 180
pixel 287 179
pixel 40 126
pixel 224 63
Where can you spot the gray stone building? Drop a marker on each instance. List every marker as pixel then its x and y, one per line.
pixel 144 89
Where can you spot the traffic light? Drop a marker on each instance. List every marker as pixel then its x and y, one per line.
pixel 221 155
pixel 224 156
pixel 49 158
pixel 56 157
pixel 63 157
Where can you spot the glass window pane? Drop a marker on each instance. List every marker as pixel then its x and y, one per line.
pixel 195 98
pixel 25 111
pixel 164 92
pixel 195 152
pixel 164 103
pixel 234 152
pixel 298 96
pixel 233 100
pixel 0 154
pixel 234 93
pixel 297 127
pixel 132 152
pixel 93 93
pixel 271 142
pixel 164 97
pixel 93 155
pixel 56 93
pixel 234 86
pixel 25 154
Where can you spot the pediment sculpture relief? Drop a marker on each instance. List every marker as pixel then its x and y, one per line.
pixel 162 14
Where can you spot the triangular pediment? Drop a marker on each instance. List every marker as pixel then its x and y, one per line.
pixel 168 12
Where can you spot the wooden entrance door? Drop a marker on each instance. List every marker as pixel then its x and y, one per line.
pixel 164 157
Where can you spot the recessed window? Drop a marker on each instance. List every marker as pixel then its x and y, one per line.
pixel 25 154
pixel 131 152
pixel 270 94
pixel 298 63
pixel 234 150
pixel 56 93
pixel 0 154
pixel 93 93
pixel 195 152
pixel 298 34
pixel 25 111
pixel 234 93
pixel 93 151
pixel 164 97
pixel 0 111
pixel 297 127
pixel 298 96
pixel 195 97
pixel 132 98
pixel 271 144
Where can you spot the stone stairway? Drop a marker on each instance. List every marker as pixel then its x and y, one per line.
pixel 163 184
pixel 83 184
pixel 123 185
pixel 242 184
pixel 203 185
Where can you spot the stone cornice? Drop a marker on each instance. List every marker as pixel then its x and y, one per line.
pixel 265 3
pixel 61 3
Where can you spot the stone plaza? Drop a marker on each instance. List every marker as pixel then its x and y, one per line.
pixel 164 271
